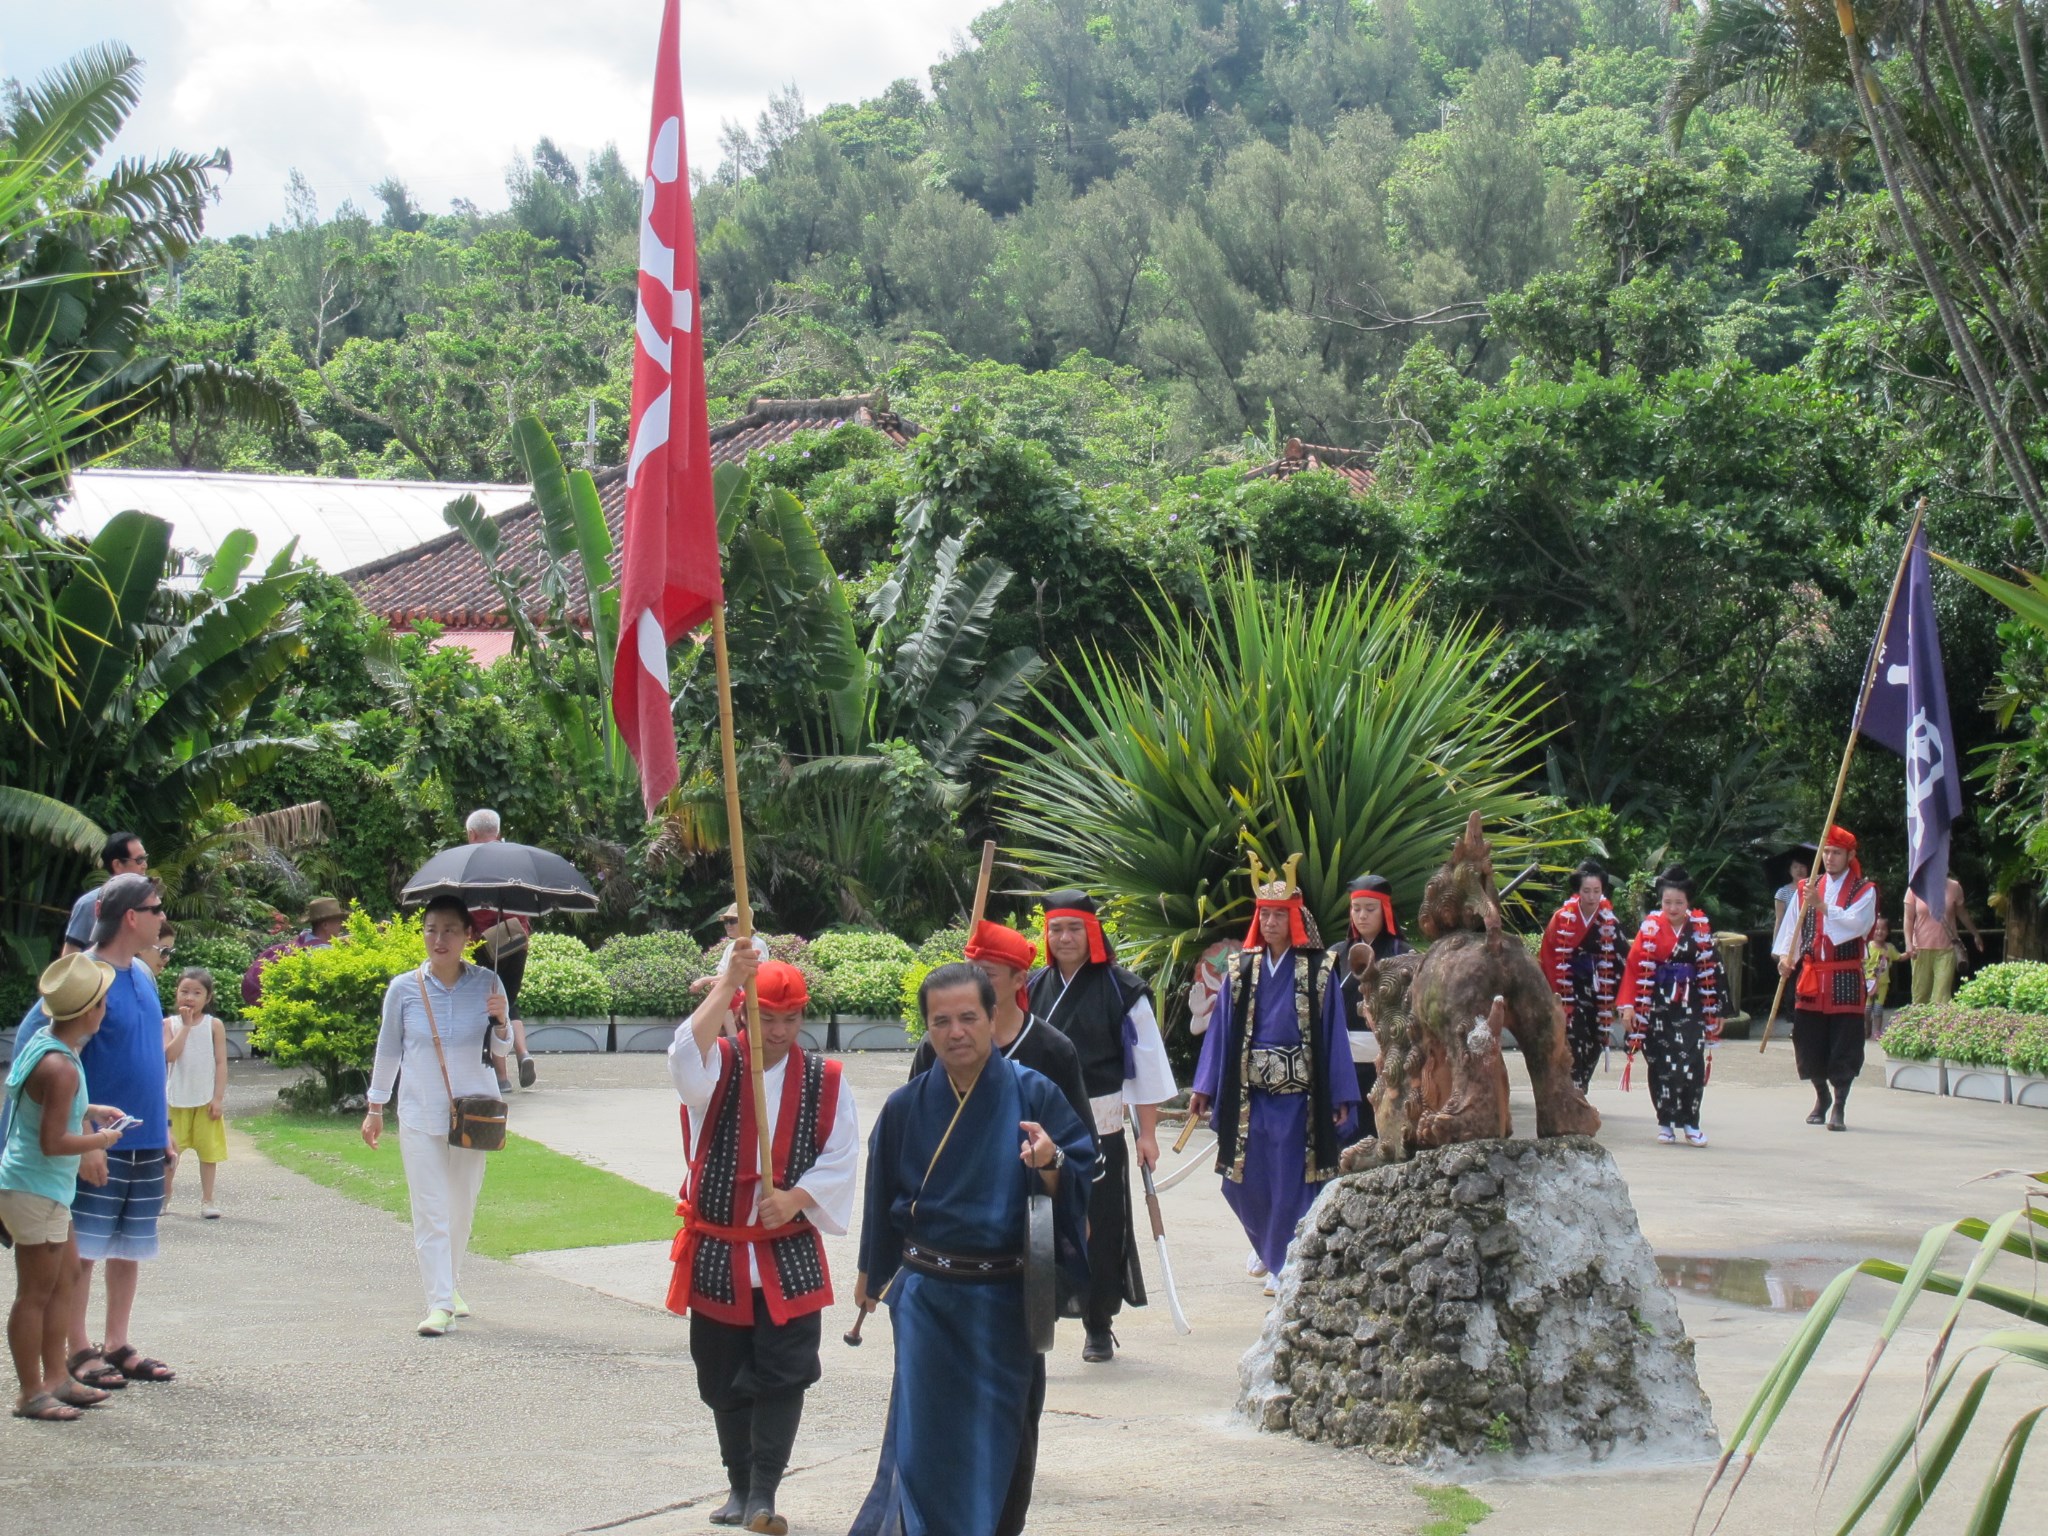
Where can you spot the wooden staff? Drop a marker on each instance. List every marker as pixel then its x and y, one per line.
pixel 736 837
pixel 981 885
pixel 1816 877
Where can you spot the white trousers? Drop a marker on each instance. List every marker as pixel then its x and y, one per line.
pixel 444 1183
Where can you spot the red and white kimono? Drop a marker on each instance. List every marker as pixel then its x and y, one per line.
pixel 1673 982
pixel 1583 961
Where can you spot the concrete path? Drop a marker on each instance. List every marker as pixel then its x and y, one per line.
pixel 305 1403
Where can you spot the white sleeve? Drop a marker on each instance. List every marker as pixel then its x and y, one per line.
pixel 834 1178
pixel 1788 928
pixel 1847 924
pixel 725 955
pixel 694 1072
pixel 1153 1081
pixel 390 1043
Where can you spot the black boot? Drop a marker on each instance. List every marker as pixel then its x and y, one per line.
pixel 1100 1346
pixel 775 1424
pixel 736 1450
pixel 1841 1101
pixel 1820 1105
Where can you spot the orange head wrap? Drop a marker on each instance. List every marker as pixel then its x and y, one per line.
pixel 781 987
pixel 995 944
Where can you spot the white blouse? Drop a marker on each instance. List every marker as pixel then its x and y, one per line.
pixel 405 1042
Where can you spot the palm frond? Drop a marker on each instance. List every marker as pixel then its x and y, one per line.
pixel 40 819
pixel 163 201
pixel 65 118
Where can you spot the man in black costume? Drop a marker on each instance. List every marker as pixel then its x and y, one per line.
pixel 1107 1013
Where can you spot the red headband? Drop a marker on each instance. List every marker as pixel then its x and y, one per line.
pixel 1098 947
pixel 1391 923
pixel 994 944
pixel 781 987
pixel 1841 837
pixel 1297 926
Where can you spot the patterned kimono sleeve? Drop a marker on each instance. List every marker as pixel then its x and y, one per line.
pixel 1712 978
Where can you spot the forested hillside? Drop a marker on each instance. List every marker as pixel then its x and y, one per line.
pixel 1633 343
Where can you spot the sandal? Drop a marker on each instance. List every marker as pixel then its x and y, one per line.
pixel 47 1409
pixel 78 1395
pixel 102 1377
pixel 137 1367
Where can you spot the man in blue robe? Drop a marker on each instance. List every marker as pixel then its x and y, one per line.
pixel 953 1157
pixel 1276 1070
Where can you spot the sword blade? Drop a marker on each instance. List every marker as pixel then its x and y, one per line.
pixel 1180 1318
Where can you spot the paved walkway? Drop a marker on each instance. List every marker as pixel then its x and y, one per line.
pixel 569 1405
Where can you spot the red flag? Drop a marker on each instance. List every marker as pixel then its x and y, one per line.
pixel 669 579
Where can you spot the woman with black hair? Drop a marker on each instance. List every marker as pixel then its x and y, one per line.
pixel 1582 961
pixel 1670 1004
pixel 438 1022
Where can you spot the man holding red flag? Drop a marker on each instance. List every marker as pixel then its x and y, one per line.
pixel 669 574
pixel 750 1264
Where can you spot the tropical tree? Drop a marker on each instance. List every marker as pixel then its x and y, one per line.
pixel 162 714
pixel 1351 725
pixel 79 300
pixel 1953 109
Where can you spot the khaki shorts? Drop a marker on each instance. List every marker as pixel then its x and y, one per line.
pixel 34 1219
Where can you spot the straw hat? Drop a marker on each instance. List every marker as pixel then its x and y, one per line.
pixel 72 985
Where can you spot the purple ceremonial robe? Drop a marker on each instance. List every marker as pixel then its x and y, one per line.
pixel 1276 1192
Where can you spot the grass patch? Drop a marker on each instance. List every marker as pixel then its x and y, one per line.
pixel 1456 1511
pixel 534 1198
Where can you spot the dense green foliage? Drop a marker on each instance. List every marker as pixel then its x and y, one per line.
pixel 322 1008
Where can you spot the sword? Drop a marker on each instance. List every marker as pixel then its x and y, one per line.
pixel 1180 1318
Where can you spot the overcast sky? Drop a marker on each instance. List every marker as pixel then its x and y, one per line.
pixel 442 93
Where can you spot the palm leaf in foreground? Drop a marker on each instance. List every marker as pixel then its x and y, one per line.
pixel 1929 1456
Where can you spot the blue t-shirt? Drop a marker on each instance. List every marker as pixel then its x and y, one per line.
pixel 124 1060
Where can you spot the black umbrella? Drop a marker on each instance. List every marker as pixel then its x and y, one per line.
pixel 508 877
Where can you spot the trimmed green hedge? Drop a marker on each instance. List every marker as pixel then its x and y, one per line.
pixel 840 947
pixel 868 989
pixel 225 958
pixel 2019 985
pixel 560 984
pixel 1977 1037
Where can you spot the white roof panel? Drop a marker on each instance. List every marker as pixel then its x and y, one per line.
pixel 340 524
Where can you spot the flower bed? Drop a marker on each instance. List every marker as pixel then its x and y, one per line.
pixel 1970 1049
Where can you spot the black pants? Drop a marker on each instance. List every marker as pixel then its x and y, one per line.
pixel 1827 1046
pixel 1675 1051
pixel 1113 1275
pixel 1587 1037
pixel 753 1380
pixel 511 971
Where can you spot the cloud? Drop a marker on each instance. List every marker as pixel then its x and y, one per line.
pixel 443 93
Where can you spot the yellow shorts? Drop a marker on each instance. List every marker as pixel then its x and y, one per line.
pixel 194 1130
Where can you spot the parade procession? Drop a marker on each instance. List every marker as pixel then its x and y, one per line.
pixel 1021 767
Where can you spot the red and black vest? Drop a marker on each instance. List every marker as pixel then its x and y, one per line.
pixel 1830 974
pixel 710 1250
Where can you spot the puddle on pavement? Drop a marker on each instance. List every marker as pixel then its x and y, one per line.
pixel 1777 1285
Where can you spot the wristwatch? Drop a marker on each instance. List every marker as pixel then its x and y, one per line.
pixel 1059 1159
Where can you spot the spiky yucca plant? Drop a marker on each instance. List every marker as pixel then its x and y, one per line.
pixel 1349 725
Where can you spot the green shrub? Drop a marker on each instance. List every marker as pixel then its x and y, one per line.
pixel 1912 1034
pixel 226 958
pixel 942 946
pixel 555 946
pixel 854 946
pixel 867 989
pixel 666 944
pixel 321 1008
pixel 913 978
pixel 17 995
pixel 2029 1053
pixel 652 986
pixel 561 984
pixel 2021 985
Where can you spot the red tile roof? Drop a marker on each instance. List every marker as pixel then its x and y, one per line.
pixel 444 579
pixel 1354 464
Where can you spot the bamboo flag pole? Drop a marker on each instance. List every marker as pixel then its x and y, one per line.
pixel 981 884
pixel 736 839
pixel 1816 878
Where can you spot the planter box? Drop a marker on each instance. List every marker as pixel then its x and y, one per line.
pixel 814 1034
pixel 561 1035
pixel 2028 1090
pixel 238 1041
pixel 1986 1084
pixel 1914 1076
pixel 872 1034
pixel 638 1033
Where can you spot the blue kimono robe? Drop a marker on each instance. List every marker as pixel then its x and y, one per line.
pixel 965 1368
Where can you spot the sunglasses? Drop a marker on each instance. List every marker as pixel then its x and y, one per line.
pixel 154 906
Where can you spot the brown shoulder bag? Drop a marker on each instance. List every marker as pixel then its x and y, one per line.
pixel 476 1120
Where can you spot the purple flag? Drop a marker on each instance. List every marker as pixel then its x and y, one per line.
pixel 1908 712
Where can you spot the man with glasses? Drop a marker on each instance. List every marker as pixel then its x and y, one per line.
pixel 122 855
